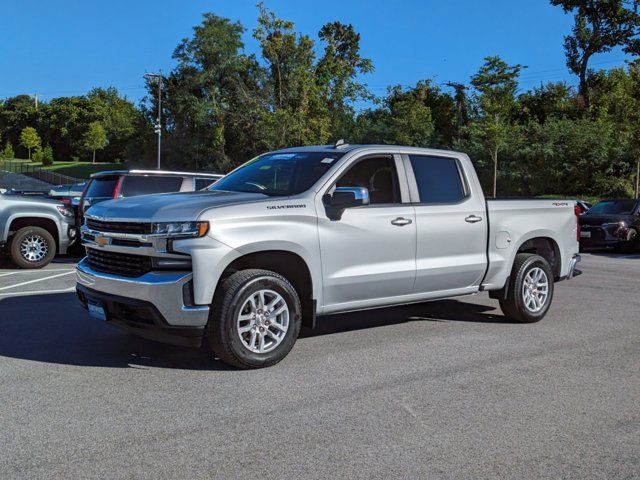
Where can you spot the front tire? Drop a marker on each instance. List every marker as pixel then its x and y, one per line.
pixel 32 247
pixel 255 319
pixel 530 289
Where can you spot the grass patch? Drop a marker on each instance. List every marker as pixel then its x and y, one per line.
pixel 81 170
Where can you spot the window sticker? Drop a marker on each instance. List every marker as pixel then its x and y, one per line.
pixel 327 160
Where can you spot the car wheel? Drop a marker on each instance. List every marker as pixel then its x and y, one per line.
pixel 530 289
pixel 32 247
pixel 255 319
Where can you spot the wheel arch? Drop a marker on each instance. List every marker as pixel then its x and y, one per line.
pixel 47 223
pixel 547 248
pixel 290 265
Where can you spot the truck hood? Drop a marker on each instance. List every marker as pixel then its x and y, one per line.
pixel 169 207
pixel 29 199
pixel 597 220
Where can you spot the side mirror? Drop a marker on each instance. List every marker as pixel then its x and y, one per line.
pixel 344 197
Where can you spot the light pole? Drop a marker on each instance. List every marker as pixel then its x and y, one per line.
pixel 638 179
pixel 158 125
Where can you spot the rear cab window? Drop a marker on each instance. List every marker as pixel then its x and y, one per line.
pixel 438 179
pixel 134 185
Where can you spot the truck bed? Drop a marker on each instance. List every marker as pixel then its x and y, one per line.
pixel 513 222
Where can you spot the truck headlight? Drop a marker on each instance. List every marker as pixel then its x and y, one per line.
pixel 181 229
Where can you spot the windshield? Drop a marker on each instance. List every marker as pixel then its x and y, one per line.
pixel 621 207
pixel 279 174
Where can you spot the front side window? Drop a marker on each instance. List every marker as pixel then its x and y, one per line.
pixel 438 179
pixel 134 185
pixel 279 174
pixel 378 175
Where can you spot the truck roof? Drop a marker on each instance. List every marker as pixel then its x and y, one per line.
pixel 346 147
pixel 154 172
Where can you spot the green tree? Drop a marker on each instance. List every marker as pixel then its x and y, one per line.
pixel 210 103
pixel 95 138
pixel 299 113
pixel 599 26
pixel 337 73
pixel 29 139
pixel 118 116
pixel 7 153
pixel 496 83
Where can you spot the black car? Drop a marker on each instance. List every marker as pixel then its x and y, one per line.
pixel 611 224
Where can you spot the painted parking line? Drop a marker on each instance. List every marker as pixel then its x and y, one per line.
pixel 37 292
pixel 68 272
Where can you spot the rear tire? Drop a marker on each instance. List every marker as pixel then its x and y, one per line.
pixel 255 319
pixel 32 247
pixel 530 289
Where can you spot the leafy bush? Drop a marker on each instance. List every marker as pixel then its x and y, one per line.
pixel 7 153
pixel 37 154
pixel 47 156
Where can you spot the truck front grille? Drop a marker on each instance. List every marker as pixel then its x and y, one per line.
pixel 123 264
pixel 136 228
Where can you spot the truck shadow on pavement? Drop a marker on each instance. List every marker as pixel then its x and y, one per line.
pixel 55 329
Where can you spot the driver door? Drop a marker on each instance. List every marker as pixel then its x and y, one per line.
pixel 368 255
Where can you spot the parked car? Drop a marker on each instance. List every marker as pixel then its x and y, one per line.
pixel 130 183
pixel 34 228
pixel 318 230
pixel 67 191
pixel 583 206
pixel 611 223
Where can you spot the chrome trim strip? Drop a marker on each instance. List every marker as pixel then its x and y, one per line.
pixel 141 237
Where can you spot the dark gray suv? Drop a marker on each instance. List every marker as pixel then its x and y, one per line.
pixel 131 183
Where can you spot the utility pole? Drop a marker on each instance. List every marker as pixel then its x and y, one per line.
pixel 35 97
pixel 158 125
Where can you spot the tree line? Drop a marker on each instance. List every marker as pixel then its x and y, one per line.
pixel 223 105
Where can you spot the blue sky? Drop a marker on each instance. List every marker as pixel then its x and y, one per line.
pixel 66 47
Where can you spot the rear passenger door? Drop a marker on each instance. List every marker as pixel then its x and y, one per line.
pixel 451 224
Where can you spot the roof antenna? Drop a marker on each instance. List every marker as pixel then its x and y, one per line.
pixel 340 143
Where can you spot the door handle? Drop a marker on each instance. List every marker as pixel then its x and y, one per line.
pixel 473 219
pixel 400 222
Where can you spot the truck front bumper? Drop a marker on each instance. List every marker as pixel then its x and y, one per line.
pixel 156 305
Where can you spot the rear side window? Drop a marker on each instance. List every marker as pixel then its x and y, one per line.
pixel 135 185
pixel 101 187
pixel 438 179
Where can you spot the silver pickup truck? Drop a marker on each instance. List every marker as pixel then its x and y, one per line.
pixel 34 228
pixel 318 230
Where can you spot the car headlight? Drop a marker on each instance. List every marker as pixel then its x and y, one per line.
pixel 181 229
pixel 65 211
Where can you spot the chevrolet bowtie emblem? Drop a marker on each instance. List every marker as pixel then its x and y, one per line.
pixel 102 241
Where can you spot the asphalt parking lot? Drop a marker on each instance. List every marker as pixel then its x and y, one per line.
pixel 448 389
